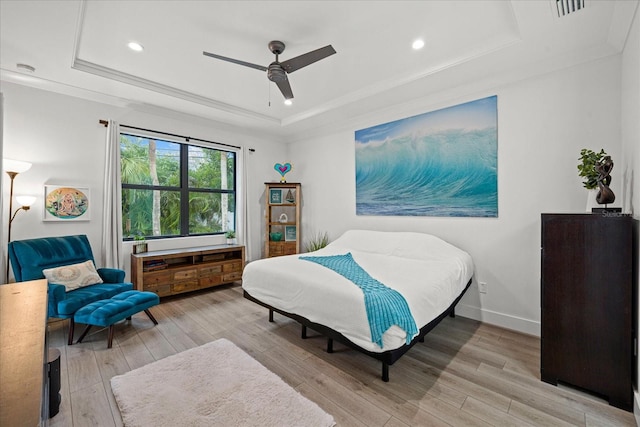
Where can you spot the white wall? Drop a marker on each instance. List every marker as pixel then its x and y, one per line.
pixel 61 136
pixel 630 112
pixel 543 123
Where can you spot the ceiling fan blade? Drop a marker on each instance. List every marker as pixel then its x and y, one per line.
pixel 285 87
pixel 293 64
pixel 235 61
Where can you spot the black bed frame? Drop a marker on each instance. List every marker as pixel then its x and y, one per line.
pixel 387 358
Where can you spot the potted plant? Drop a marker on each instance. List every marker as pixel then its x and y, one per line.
pixel 140 244
pixel 317 241
pixel 231 237
pixel 589 160
pixel 595 168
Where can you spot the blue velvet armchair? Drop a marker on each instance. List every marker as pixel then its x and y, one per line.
pixel 30 257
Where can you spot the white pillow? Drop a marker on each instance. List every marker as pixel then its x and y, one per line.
pixel 73 276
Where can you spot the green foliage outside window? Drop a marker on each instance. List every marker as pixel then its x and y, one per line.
pixel 153 201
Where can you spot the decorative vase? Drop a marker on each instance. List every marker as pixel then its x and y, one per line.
pixel 591 200
pixel 139 248
pixel 605 196
pixel 275 236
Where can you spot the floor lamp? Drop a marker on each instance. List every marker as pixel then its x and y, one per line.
pixel 13 168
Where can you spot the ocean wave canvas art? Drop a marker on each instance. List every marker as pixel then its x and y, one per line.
pixel 441 163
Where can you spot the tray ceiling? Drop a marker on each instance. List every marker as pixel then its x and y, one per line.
pixel 80 48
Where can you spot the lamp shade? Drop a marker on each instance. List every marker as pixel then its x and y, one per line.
pixel 25 200
pixel 17 166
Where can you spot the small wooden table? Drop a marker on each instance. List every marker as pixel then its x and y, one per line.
pixel 23 325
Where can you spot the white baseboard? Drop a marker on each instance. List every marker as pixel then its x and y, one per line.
pixel 506 321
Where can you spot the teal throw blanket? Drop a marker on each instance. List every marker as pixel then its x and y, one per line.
pixel 385 306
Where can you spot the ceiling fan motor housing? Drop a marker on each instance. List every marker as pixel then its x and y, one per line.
pixel 275 73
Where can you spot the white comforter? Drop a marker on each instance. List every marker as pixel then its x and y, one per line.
pixel 429 272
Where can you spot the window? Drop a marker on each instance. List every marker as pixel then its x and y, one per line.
pixel 172 189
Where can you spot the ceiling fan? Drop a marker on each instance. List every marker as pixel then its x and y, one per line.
pixel 277 71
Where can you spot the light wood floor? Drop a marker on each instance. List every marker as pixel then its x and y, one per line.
pixel 465 373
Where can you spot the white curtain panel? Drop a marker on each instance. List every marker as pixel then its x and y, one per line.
pixel 112 256
pixel 5 258
pixel 245 225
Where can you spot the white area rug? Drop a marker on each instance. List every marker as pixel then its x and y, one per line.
pixel 216 384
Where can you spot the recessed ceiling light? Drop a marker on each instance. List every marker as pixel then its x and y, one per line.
pixel 135 46
pixel 418 44
pixel 25 67
pixel 288 102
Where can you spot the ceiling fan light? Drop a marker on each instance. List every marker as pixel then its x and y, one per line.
pixel 418 44
pixel 288 102
pixel 135 46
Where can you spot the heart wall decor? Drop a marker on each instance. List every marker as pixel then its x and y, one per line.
pixel 282 169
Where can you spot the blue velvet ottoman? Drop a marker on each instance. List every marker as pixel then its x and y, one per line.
pixel 122 306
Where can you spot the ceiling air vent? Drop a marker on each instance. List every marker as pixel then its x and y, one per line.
pixel 566 7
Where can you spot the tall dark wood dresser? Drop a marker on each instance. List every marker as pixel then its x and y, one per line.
pixel 589 265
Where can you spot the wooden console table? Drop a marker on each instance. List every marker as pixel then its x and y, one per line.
pixel 177 271
pixel 23 326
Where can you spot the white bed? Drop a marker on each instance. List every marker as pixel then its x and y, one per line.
pixel 430 273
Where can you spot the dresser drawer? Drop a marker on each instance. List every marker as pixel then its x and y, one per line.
pixel 211 269
pixel 212 280
pixel 188 285
pixel 185 274
pixel 161 290
pixel 156 279
pixel 276 249
pixel 290 248
pixel 232 267
pixel 230 277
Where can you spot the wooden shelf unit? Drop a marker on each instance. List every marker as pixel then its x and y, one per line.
pixel 273 213
pixel 176 271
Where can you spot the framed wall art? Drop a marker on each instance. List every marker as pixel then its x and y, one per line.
pixel 440 163
pixel 66 203
pixel 290 233
pixel 275 196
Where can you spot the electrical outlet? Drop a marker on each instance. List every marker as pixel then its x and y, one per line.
pixel 482 287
